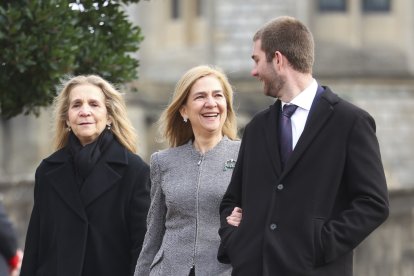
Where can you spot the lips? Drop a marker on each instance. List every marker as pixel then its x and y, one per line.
pixel 210 115
pixel 85 123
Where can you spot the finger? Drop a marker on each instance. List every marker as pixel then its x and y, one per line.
pixel 236 215
pixel 237 209
pixel 232 221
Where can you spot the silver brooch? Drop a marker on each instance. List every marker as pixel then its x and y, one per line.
pixel 229 164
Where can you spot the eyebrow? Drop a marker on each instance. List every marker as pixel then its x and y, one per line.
pixel 205 92
pixel 75 100
pixel 81 100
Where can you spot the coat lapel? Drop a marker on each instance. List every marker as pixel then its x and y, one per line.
pixel 270 128
pixel 104 176
pixel 63 181
pixel 319 114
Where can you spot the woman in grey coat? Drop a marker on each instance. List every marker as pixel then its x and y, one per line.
pixel 190 178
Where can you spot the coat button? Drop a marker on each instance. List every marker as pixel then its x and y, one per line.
pixel 273 226
pixel 280 187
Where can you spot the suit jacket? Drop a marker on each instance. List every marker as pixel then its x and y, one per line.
pixel 8 241
pixel 183 219
pixel 307 218
pixel 95 231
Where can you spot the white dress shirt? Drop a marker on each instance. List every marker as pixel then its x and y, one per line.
pixel 304 102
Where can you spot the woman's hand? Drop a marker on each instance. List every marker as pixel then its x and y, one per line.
pixel 235 217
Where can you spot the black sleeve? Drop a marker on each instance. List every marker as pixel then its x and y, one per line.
pixel 140 203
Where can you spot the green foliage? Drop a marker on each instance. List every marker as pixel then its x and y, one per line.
pixel 41 41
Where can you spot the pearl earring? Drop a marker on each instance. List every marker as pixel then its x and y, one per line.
pixel 108 127
pixel 185 119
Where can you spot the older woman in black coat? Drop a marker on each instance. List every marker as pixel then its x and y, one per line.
pixel 91 196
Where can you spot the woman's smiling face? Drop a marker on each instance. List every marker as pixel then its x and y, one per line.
pixel 87 114
pixel 206 106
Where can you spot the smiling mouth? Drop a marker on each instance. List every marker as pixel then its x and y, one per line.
pixel 210 115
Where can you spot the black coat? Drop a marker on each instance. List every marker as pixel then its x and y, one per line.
pixel 96 231
pixel 308 218
pixel 8 241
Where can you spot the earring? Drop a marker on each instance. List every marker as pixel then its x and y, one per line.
pixel 185 119
pixel 108 127
pixel 68 129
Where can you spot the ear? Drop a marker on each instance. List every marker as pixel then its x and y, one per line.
pixel 277 57
pixel 109 120
pixel 278 60
pixel 183 111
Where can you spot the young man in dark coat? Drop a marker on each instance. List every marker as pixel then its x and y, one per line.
pixel 311 192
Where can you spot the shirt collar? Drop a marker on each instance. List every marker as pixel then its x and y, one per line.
pixel 305 98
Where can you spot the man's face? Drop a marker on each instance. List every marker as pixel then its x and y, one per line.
pixel 266 71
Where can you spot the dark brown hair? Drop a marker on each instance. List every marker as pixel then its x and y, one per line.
pixel 290 37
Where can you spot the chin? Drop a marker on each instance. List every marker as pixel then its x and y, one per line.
pixel 212 129
pixel 268 93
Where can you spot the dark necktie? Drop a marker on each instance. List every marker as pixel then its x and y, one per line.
pixel 286 132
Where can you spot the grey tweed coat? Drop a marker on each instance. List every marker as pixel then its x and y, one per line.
pixel 183 220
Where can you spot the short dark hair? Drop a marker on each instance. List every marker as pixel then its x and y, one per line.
pixel 290 37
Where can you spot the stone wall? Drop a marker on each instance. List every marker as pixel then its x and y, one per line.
pixel 389 251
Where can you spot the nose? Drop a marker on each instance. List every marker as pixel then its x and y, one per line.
pixel 254 72
pixel 210 101
pixel 85 111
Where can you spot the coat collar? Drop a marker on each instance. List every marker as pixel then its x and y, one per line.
pixel 102 178
pixel 221 145
pixel 320 112
pixel 270 127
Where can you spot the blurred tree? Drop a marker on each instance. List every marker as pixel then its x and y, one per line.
pixel 41 41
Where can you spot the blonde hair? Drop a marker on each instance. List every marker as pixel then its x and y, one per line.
pixel 172 126
pixel 121 126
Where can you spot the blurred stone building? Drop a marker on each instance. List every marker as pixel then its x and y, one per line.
pixel 364 52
